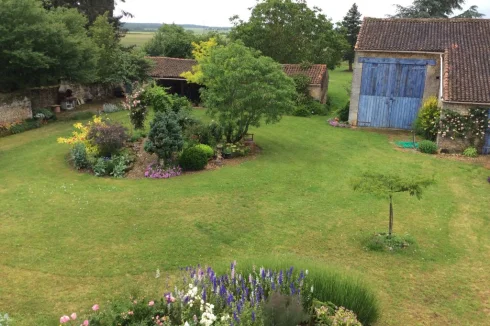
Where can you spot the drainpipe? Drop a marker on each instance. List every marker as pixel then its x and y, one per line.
pixel 441 78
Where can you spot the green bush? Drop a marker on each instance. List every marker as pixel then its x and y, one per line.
pixel 318 108
pixel 137 135
pixel 85 115
pixel 208 150
pixel 330 286
pixel 121 164
pixel 385 242
pixel 470 152
pixel 44 114
pixel 108 137
pixel 301 111
pixel 343 113
pixel 428 147
pixel 79 156
pixel 111 108
pixel 427 122
pixel 100 167
pixel 193 159
pixel 165 137
pixel 235 150
pixel 25 126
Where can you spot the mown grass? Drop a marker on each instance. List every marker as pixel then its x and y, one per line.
pixel 137 38
pixel 69 240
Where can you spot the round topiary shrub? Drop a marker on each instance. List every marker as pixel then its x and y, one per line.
pixel 193 159
pixel 206 149
pixel 428 147
pixel 301 111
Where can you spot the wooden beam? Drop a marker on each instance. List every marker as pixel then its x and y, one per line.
pixel 420 62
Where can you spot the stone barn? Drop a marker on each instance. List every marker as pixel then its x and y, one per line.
pixel 401 62
pixel 167 72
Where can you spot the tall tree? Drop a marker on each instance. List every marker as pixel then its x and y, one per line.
pixel 40 47
pixel 351 27
pixel 437 9
pixel 290 32
pixel 170 41
pixel 244 88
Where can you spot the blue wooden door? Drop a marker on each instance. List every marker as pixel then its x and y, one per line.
pixel 486 146
pixel 391 92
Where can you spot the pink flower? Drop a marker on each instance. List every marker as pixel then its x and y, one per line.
pixel 85 322
pixel 64 319
pixel 130 313
pixel 151 303
pixel 73 316
pixel 95 307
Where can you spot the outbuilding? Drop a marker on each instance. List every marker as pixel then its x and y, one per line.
pixel 401 62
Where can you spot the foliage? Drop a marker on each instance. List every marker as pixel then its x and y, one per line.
pixel 5 320
pixel 301 111
pixel 427 122
pixel 326 315
pixel 137 135
pixel 108 137
pixel 302 83
pixel 290 32
pixel 318 108
pixel 165 137
pixel 343 112
pixel 111 108
pixel 78 116
pixel 235 150
pixel 338 124
pixel 137 109
pixel 437 9
pixel 80 135
pixel 79 156
pixel 470 152
pixel 24 126
pixel 193 159
pixel 121 165
pixel 384 241
pixel 201 50
pixel 170 41
pixel 244 88
pixel 115 166
pixel 470 127
pixel 100 167
pixel 156 171
pixel 351 26
pixel 44 45
pixel 386 185
pixel 208 150
pixel 262 297
pixel 427 147
pixel 44 114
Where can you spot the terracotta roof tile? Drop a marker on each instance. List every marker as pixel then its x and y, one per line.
pixel 465 43
pixel 173 67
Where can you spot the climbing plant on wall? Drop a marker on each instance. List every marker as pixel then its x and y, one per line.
pixel 471 126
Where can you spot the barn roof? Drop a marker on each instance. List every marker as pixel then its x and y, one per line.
pixel 465 44
pixel 165 68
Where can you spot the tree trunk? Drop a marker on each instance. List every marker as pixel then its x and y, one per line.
pixel 350 66
pixel 390 231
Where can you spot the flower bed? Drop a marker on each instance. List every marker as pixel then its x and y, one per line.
pixel 261 297
pixel 338 124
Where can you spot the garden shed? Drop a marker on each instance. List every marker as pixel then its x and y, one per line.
pixel 167 72
pixel 401 62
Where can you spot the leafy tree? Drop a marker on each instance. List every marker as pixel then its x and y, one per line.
pixel 165 137
pixel 201 50
pixel 386 185
pixel 436 8
pixel 116 64
pixel 243 87
pixel 40 47
pixel 290 32
pixel 351 27
pixel 170 41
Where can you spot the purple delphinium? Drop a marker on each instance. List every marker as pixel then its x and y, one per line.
pixel 155 171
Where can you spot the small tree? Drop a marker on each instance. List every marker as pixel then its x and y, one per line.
pixel 386 185
pixel 170 41
pixel 165 137
pixel 243 87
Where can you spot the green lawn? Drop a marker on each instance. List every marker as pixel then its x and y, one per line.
pixel 69 240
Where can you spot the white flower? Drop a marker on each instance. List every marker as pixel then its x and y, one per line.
pixel 157 274
pixel 312 289
pixel 186 324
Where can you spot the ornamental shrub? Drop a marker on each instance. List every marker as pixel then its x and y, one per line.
pixel 79 156
pixel 470 127
pixel 165 137
pixel 111 108
pixel 108 137
pixel 208 150
pixel 193 159
pixel 427 122
pixel 100 167
pixel 428 147
pixel 343 113
pixel 470 152
pixel 44 114
pixel 25 126
pixel 301 111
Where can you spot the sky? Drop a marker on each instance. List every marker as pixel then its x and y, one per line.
pixel 216 13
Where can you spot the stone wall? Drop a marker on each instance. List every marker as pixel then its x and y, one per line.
pixel 14 107
pixel 319 92
pixel 456 145
pixel 43 97
pixel 432 82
